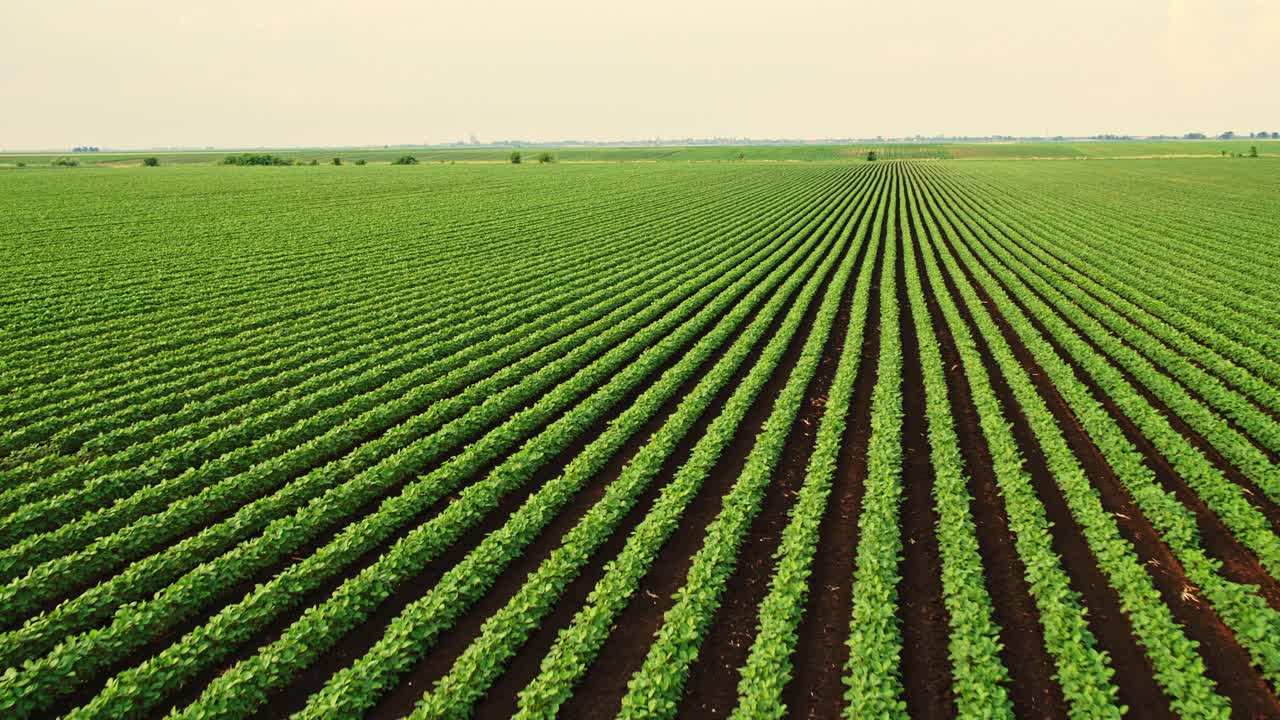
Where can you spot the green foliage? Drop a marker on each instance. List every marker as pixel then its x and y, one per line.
pixel 361 161
pixel 255 159
pixel 515 157
pixel 980 679
pixel 480 664
pixel 872 675
pixel 1178 668
pixel 1084 672
pixel 1242 608
pixel 545 157
pixel 64 162
pixel 405 160
pixel 577 645
pixel 655 689
pixel 249 437
pixel 759 153
pixel 346 691
pixel 769 665
pixel 337 161
pixel 151 162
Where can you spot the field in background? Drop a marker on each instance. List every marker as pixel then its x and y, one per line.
pixel 986 438
pixel 725 153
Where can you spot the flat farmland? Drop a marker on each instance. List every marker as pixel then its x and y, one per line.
pixel 924 438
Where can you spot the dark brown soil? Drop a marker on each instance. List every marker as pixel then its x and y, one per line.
pixel 1135 677
pixel 1254 494
pixel 926 666
pixel 1032 687
pixel 359 640
pixel 1227 663
pixel 400 700
pixel 261 577
pixel 712 686
pixel 1049 250
pixel 500 701
pixel 1239 563
pixel 1191 391
pixel 600 692
pixel 363 637
pixel 816 689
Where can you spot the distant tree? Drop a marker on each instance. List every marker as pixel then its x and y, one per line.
pixel 1224 153
pixel 362 161
pixel 65 162
pixel 742 155
pixel 255 159
pixel 151 162
pixel 1253 151
pixel 871 156
pixel 337 161
pixel 1275 136
pixel 314 162
pixel 1195 136
pixel 545 157
pixel 405 160
pixel 1228 135
pixel 515 158
pixel 22 164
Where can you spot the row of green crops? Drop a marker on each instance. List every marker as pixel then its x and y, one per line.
pixel 422 441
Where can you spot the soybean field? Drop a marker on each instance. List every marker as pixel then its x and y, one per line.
pixel 907 438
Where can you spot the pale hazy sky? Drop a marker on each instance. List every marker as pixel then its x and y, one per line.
pixel 149 73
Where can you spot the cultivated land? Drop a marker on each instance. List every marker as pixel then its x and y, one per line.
pixel 714 153
pixel 987 439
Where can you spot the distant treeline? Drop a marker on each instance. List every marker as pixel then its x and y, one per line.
pixel 255 159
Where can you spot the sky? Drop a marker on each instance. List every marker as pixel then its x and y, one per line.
pixel 274 73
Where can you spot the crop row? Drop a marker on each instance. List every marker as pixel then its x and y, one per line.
pixel 154 572
pixel 1240 606
pixel 279 538
pixel 1178 668
pixel 388 379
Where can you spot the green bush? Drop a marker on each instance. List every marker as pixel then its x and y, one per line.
pixel 255 159
pixel 362 161
pixel 337 161
pixel 515 158
pixel 546 157
pixel 151 162
pixel 65 162
pixel 405 160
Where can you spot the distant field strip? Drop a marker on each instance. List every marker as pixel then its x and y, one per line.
pixel 865 439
